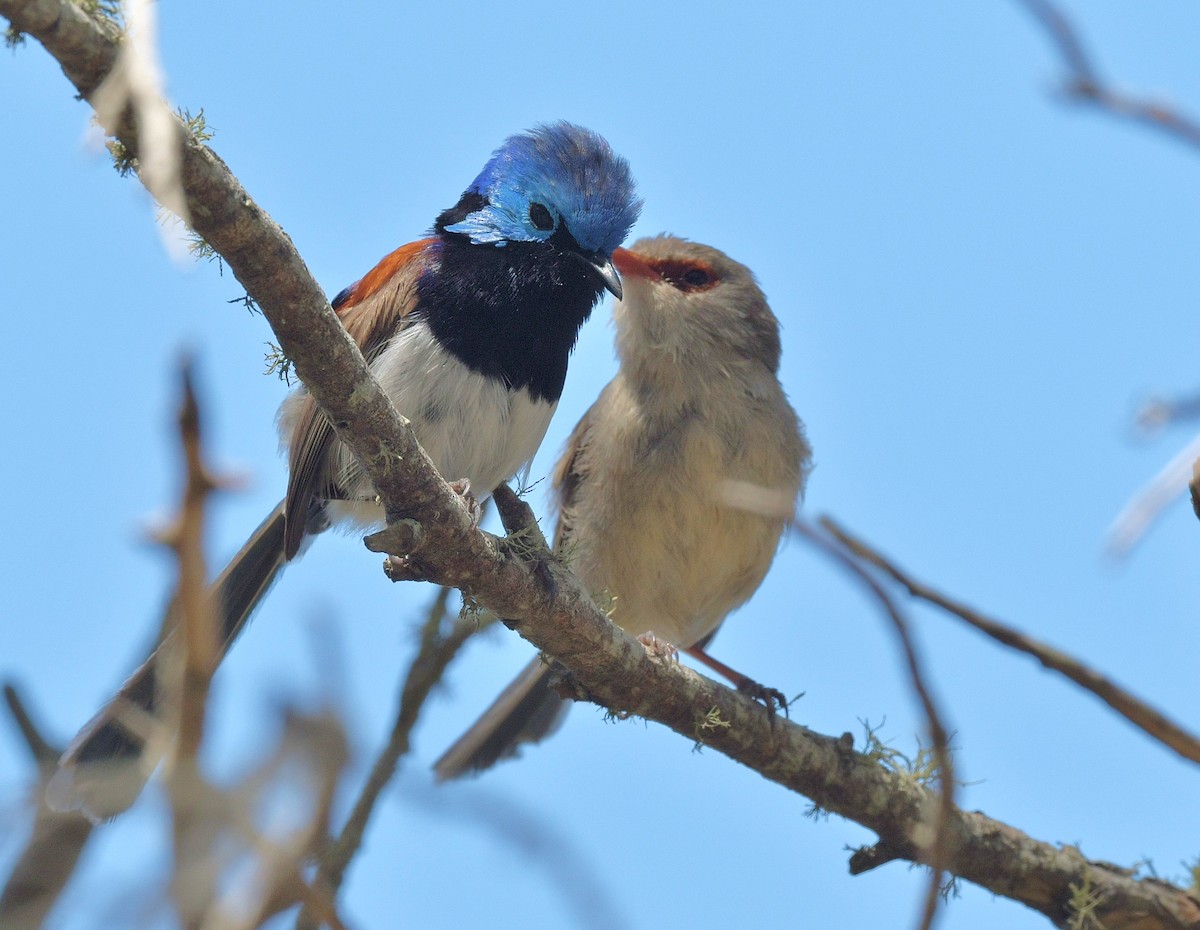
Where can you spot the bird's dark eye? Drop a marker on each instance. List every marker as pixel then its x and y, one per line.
pixel 686 274
pixel 540 217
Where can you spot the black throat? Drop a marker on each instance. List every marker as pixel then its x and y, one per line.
pixel 511 312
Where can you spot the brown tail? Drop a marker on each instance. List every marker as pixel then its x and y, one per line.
pixel 107 764
pixel 527 711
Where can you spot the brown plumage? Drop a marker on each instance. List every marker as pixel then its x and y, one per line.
pixel 373 310
pixel 676 486
pixel 468 333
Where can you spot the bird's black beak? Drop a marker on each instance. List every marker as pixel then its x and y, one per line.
pixel 612 280
pixel 602 266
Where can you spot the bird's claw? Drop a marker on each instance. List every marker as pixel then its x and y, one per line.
pixel 405 568
pixel 772 698
pixel 462 487
pixel 659 648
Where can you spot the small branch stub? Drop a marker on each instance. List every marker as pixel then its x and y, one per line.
pixel 400 539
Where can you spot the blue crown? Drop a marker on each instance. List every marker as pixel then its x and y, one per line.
pixel 556 174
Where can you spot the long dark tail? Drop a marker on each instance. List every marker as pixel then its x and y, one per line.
pixel 527 711
pixel 107 764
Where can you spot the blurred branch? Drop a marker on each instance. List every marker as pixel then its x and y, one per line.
pixel 135 85
pixel 526 831
pixel 1137 712
pixel 198 637
pixel 311 757
pixel 436 651
pixel 307 764
pixel 1152 499
pixel 938 847
pixel 40 749
pixel 56 840
pixel 1083 83
pixel 193 801
pixel 1158 412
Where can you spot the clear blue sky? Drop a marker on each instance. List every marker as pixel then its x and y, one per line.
pixel 977 286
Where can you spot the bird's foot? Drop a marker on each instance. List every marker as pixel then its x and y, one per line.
pixel 659 648
pixel 462 487
pixel 405 568
pixel 772 698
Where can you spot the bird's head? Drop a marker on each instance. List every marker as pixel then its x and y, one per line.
pixel 558 184
pixel 691 301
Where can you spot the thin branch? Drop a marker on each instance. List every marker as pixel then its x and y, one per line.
pixel 1084 84
pixel 194 828
pixel 526 831
pixel 433 656
pixel 199 640
pixel 938 851
pixel 1159 412
pixel 265 261
pixel 1136 711
pixel 136 84
pixel 1152 499
pixel 40 749
pixel 310 761
pixel 55 843
pixel 1069 44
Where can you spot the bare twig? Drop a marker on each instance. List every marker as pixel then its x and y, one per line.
pixel 194 827
pixel 136 84
pixel 528 832
pixel 39 747
pixel 436 651
pixel 309 762
pixel 1134 710
pixel 1159 412
pixel 56 840
pixel 199 639
pixel 1084 84
pixel 260 847
pixel 1151 500
pixel 938 853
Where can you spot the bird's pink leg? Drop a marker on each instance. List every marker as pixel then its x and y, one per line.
pixel 748 686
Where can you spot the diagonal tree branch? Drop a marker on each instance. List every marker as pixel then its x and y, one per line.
pixel 1084 84
pixel 435 653
pixel 436 538
pixel 1136 711
pixel 55 843
pixel 833 546
pixel 186 690
pixel 1152 499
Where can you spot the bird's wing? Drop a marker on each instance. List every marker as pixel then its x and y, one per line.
pixel 373 310
pixel 569 475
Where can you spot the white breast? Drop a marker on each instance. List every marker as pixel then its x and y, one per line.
pixel 472 426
